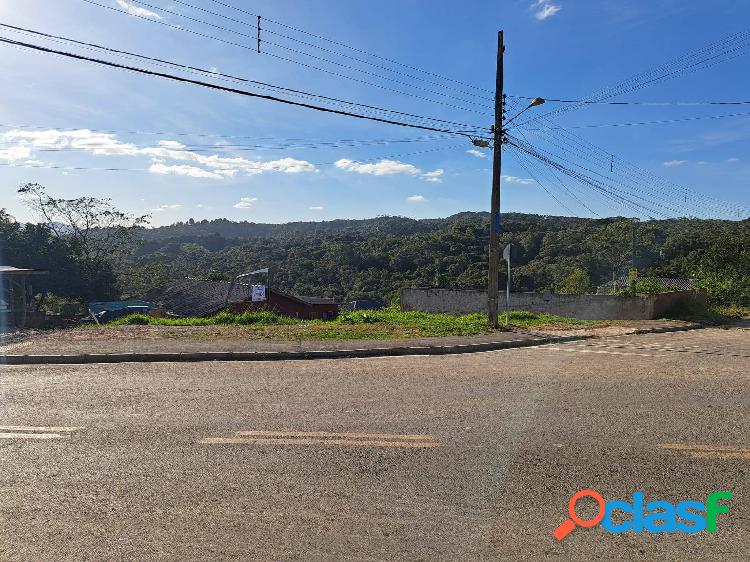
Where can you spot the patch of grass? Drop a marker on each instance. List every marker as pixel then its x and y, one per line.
pixel 262 318
pixel 525 319
pixel 692 310
pixel 422 323
pixel 361 324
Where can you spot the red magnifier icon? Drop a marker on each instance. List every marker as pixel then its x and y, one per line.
pixel 569 524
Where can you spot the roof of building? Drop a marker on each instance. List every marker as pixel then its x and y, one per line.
pixel 196 297
pixel 313 300
pixel 10 270
pixel 199 297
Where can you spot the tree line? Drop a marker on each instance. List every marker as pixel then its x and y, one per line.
pixel 372 258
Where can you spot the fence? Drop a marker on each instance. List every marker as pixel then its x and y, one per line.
pixel 585 307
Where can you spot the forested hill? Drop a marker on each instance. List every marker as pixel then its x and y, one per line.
pixel 386 225
pixel 351 259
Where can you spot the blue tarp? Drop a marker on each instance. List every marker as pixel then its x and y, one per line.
pixel 112 306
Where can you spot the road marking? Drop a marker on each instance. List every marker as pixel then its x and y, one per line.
pixel 600 351
pixel 34 432
pixel 31 436
pixel 325 438
pixel 327 442
pixel 41 428
pixel 710 452
pixel 263 433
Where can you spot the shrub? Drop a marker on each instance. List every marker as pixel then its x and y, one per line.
pixel 577 282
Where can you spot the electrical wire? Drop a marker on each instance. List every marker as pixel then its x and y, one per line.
pixel 354 49
pixel 236 78
pixel 280 57
pixel 225 88
pixel 323 49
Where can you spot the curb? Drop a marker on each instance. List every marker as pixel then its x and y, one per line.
pixel 666 329
pixel 200 356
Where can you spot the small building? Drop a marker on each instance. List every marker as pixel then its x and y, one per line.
pixel 302 307
pixel 196 297
pixel 17 308
pixel 203 298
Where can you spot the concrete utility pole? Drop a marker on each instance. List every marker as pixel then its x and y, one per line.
pixel 494 257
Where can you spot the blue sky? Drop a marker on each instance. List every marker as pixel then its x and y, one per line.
pixel 555 48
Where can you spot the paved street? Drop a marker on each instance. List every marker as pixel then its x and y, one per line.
pixel 398 458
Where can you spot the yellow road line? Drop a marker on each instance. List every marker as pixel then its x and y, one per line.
pixel 710 452
pixel 686 447
pixel 721 455
pixel 264 433
pixel 31 436
pixel 312 441
pixel 41 429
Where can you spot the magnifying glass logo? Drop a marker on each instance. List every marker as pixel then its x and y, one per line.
pixel 569 524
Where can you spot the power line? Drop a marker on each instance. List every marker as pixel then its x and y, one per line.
pixel 222 136
pixel 707 56
pixel 227 89
pixel 354 49
pixel 653 122
pixel 236 78
pixel 314 46
pixel 645 103
pixel 280 57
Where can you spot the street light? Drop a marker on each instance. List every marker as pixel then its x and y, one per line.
pixel 535 102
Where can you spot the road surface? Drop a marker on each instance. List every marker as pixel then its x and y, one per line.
pixel 406 458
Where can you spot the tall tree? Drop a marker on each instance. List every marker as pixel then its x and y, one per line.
pixel 97 235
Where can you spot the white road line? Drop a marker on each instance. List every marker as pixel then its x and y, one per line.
pixel 48 429
pixel 266 433
pixel 325 442
pixel 32 436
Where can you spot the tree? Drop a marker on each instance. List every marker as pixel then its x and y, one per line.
pixel 96 234
pixel 577 282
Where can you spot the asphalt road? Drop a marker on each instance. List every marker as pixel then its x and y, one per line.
pixel 409 458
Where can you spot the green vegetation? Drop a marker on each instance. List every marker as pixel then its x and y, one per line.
pixel 262 318
pixel 373 258
pixel 95 252
pixel 645 286
pixel 524 319
pixel 387 323
pixel 577 282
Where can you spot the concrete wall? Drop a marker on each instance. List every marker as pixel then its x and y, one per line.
pixel 585 307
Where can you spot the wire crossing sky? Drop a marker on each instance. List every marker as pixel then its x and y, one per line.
pixel 201 109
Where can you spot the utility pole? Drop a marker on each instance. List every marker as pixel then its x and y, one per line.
pixel 494 257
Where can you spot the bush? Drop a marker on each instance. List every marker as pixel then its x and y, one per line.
pixel 577 282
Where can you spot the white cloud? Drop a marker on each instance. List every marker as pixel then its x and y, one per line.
pixel 136 11
pixel 516 179
pixel 417 199
pixel 245 202
pixel 477 153
pixel 190 171
pixel 544 9
pixel 733 159
pixel 317 208
pixel 162 208
pixel 673 163
pixel 387 168
pixel 15 153
pixel 105 144
pixel 436 176
pixel 382 168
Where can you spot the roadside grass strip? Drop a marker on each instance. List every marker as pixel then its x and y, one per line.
pixel 32 432
pixel 710 452
pixel 325 438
